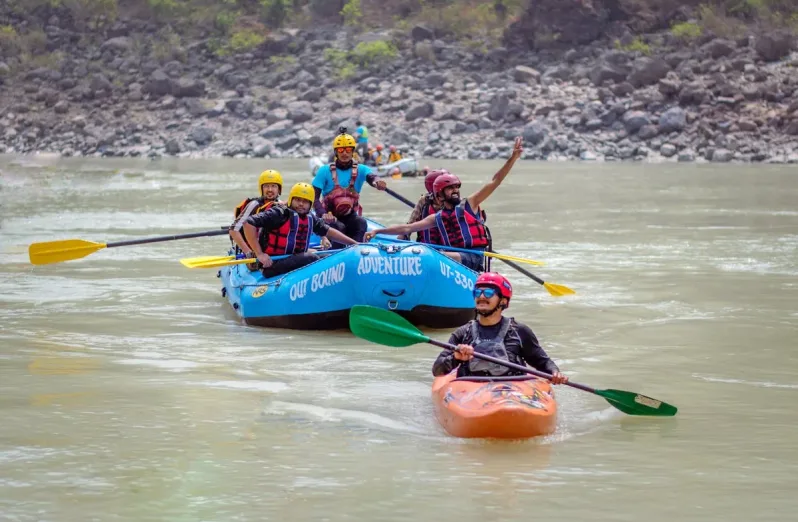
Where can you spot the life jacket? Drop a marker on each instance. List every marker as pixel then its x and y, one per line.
pixel 394 157
pixel 341 200
pixel 292 237
pixel 505 346
pixel 262 205
pixel 430 235
pixel 461 228
pixel 378 158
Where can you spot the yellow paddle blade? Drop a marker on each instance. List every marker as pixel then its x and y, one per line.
pixel 191 261
pixel 398 175
pixel 217 263
pixel 60 251
pixel 558 290
pixel 513 258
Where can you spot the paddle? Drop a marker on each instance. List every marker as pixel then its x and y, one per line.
pixel 466 250
pixel 553 288
pixel 68 249
pixel 390 329
pixel 219 261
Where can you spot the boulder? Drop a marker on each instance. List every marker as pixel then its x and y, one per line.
pixel 120 44
pixel 278 129
pixel 648 71
pixel 498 107
pixel 534 132
pixel 773 46
pixel 188 88
pixel 674 119
pixel 718 48
pixel 419 111
pixel 633 121
pixel 607 72
pixel 160 84
pixel 421 32
pixel 201 135
pixel 524 74
pixel 667 150
pixel 722 156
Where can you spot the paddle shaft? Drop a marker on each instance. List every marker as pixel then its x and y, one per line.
pixel 523 271
pixel 222 231
pixel 514 366
pixel 400 198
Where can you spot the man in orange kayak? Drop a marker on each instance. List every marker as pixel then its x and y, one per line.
pixel 460 222
pixel 283 230
pixel 493 334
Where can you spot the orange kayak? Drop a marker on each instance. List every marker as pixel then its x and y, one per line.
pixel 494 407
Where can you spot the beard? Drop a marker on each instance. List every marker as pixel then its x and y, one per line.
pixel 453 200
pixel 341 165
pixel 487 313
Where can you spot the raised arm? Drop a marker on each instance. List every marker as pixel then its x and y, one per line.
pixel 476 199
pixel 403 230
pixel 340 237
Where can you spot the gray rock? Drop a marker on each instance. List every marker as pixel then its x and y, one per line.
pixel 99 82
pixel 593 124
pixel 173 147
pixel 421 32
pixel 622 89
pixel 607 71
pixel 648 71
pixel 747 126
pixel 313 94
pixel 118 44
pixel 587 155
pixel 419 111
pixel 278 129
pixel 5 70
pixel 693 94
pixel 287 142
pixel 667 150
pixel 792 128
pixel 261 149
pixel 61 107
pixel 524 74
pixel 188 88
pixel 160 84
pixel 674 119
pixel 167 103
pixel 718 48
pixel 195 107
pixel 201 135
pixel 773 46
pixel 535 132
pixel 647 132
pixel 455 112
pixel 722 156
pixel 634 120
pixel 300 111
pixel 669 87
pixel 498 107
pixel 276 115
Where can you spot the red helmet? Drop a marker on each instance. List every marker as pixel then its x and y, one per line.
pixel 496 280
pixel 380 146
pixel 431 176
pixel 446 179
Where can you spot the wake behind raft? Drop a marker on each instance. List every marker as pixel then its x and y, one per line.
pixel 412 279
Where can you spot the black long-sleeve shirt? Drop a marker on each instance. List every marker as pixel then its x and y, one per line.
pixel 275 216
pixel 529 353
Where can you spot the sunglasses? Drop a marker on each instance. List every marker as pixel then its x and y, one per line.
pixel 344 149
pixel 487 292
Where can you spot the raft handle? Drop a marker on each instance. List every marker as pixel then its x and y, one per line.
pixel 389 293
pixel 392 305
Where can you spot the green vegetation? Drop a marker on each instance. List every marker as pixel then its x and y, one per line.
pixel 636 45
pixel 353 15
pixel 686 31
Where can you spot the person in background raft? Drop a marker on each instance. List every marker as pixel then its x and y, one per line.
pixel 493 334
pixel 394 155
pixel 427 205
pixel 460 223
pixel 362 137
pixel 270 185
pixel 338 186
pixel 287 230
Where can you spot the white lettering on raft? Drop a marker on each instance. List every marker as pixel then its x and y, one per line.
pixel 461 279
pixel 406 266
pixel 329 277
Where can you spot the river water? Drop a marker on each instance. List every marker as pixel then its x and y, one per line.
pixel 130 391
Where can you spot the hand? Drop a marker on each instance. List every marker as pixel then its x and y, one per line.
pixel 265 260
pixel 464 352
pixel 518 148
pixel 325 243
pixel 368 236
pixel 380 185
pixel 558 378
pixel 328 217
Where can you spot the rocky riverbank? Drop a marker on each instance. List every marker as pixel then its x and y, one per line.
pixel 714 99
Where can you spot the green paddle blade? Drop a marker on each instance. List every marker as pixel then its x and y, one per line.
pixel 383 327
pixel 636 404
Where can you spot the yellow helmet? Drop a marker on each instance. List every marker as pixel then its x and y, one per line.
pixel 344 140
pixel 302 190
pixel 270 176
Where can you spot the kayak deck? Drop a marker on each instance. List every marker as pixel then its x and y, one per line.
pixel 494 407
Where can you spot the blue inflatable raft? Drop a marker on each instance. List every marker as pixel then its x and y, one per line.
pixel 412 279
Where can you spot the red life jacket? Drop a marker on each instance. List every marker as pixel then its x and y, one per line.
pixel 430 235
pixel 293 236
pixel 341 200
pixel 461 228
